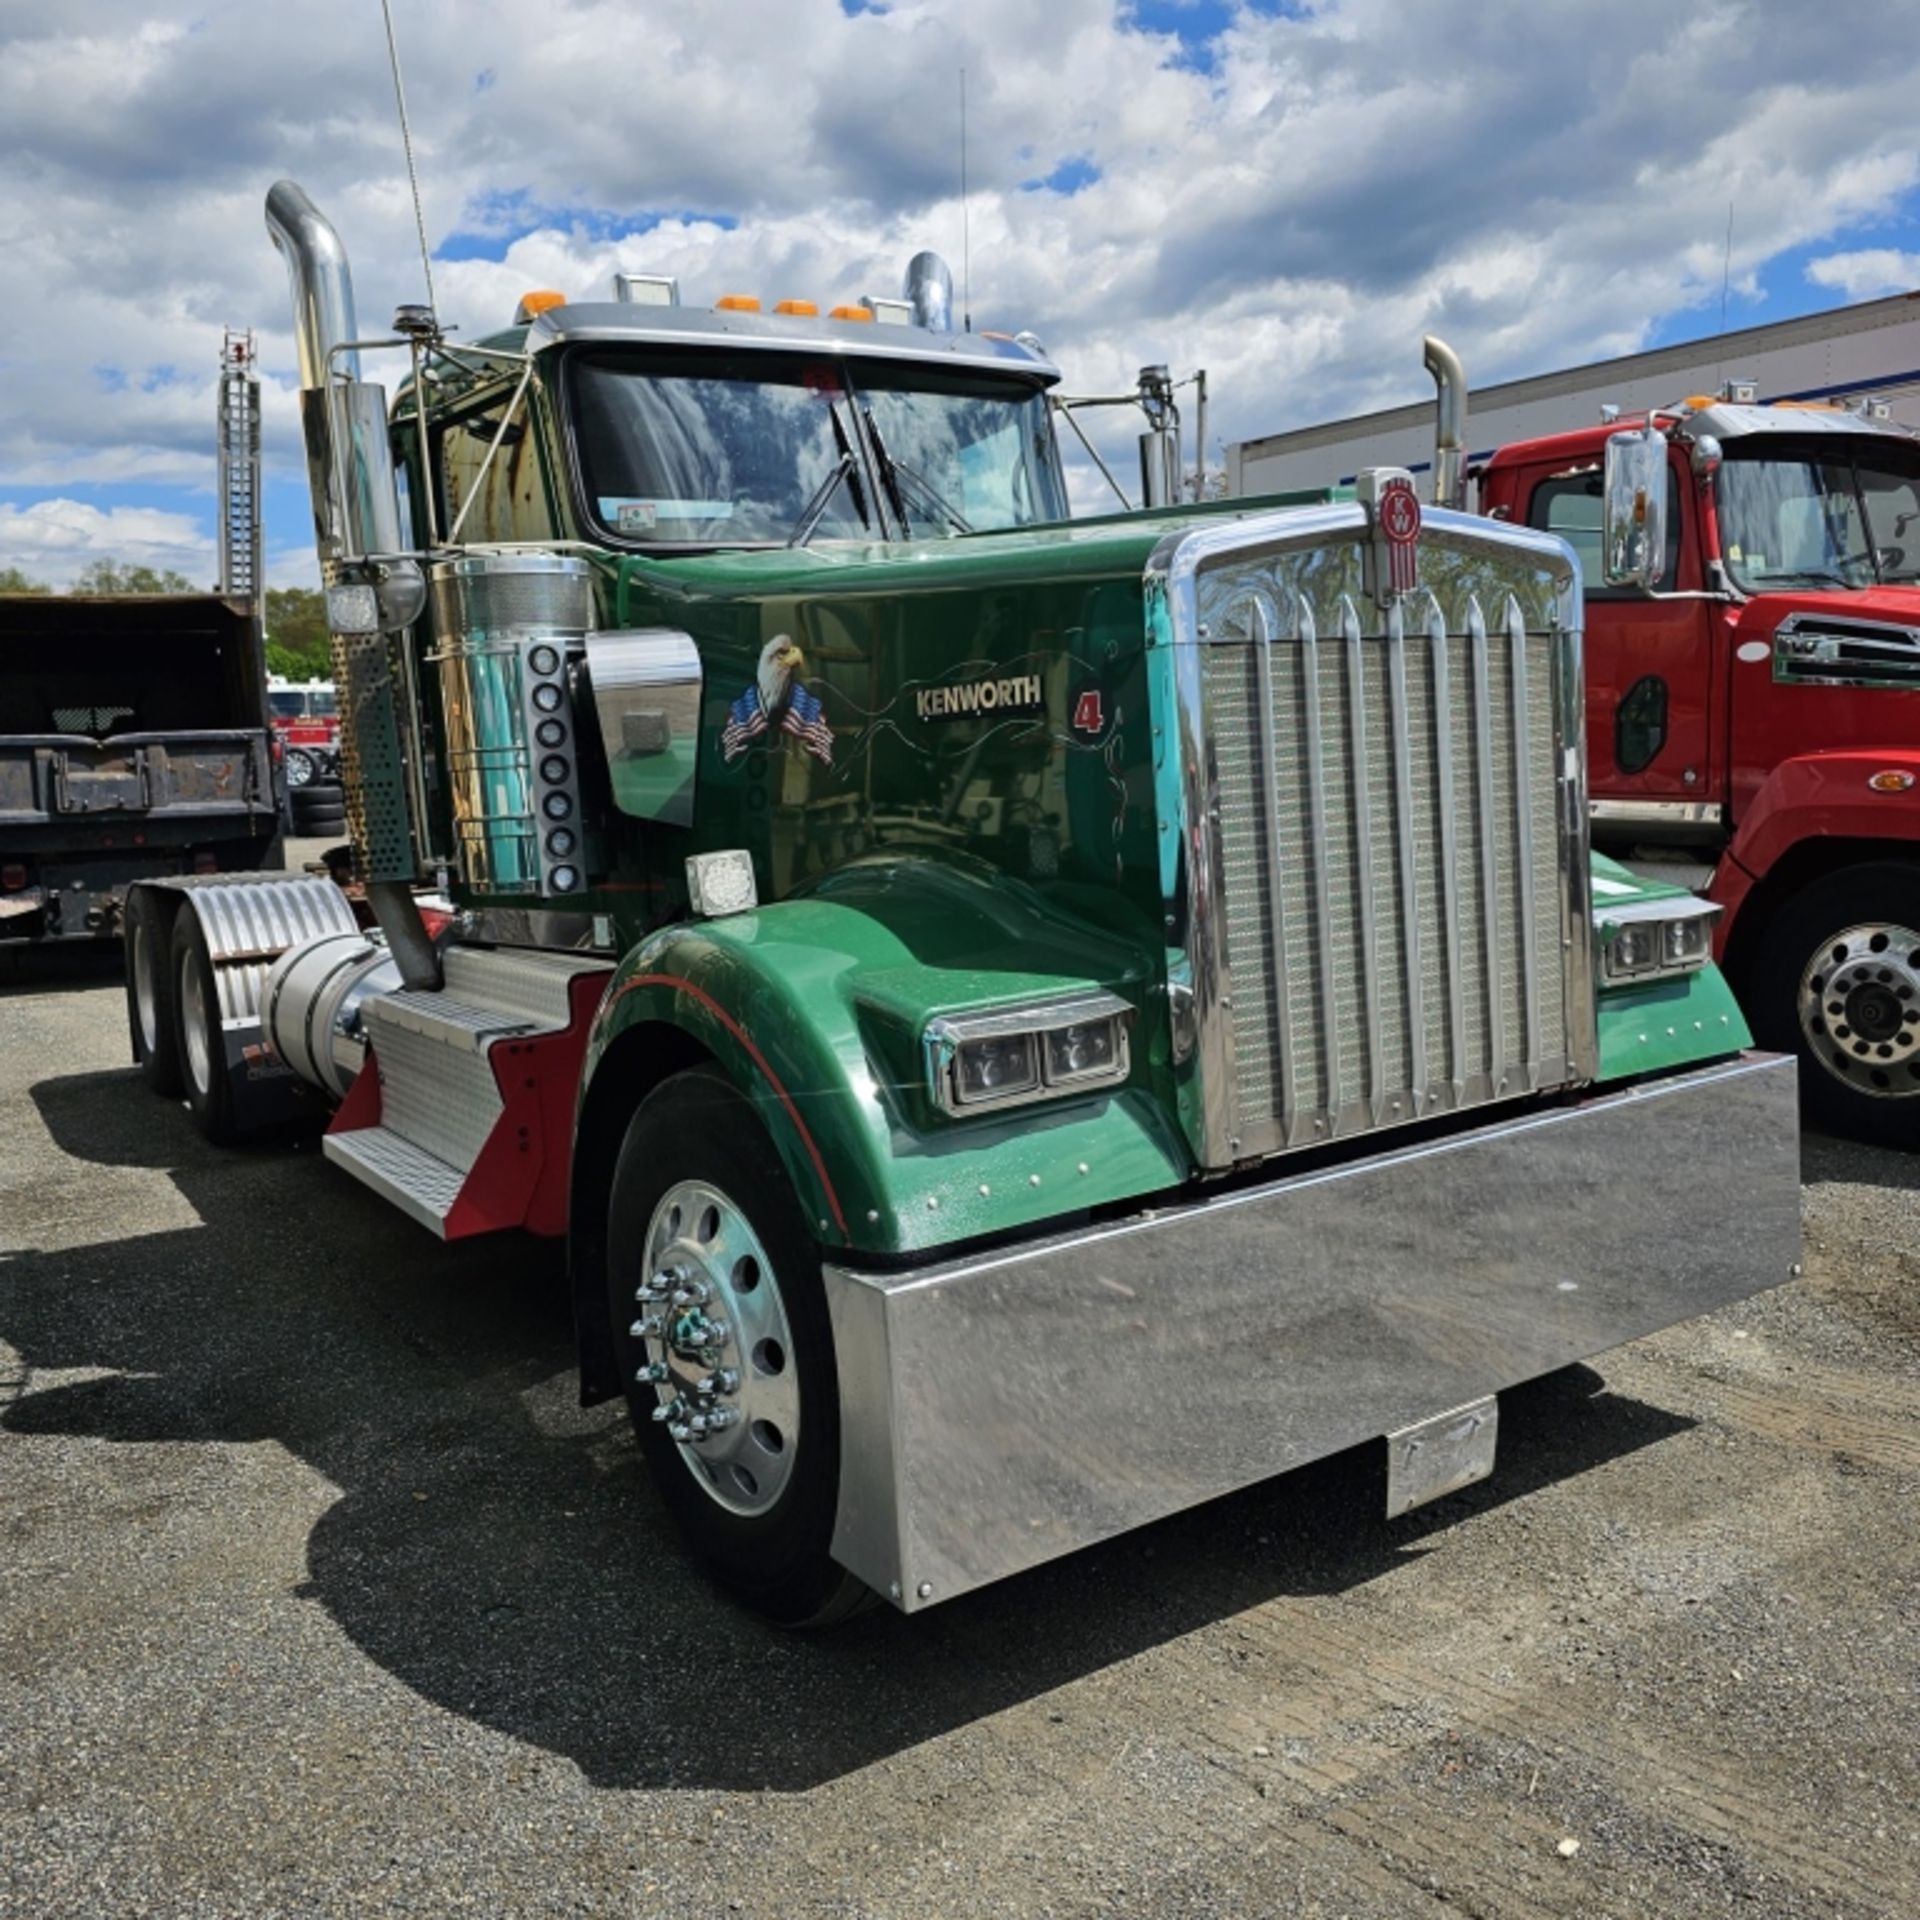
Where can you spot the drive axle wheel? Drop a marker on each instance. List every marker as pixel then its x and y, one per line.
pixel 156 1042
pixel 201 1043
pixel 1839 983
pixel 720 1324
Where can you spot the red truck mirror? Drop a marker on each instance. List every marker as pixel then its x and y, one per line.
pixel 1634 497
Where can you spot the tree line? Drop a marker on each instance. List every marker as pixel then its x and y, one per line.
pixel 296 617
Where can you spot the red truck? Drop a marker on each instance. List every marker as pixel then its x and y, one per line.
pixel 1752 583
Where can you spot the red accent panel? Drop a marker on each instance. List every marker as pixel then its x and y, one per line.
pixel 522 1174
pixel 361 1108
pixel 759 1059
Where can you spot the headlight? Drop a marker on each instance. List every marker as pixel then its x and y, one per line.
pixel 1003 1059
pixel 1653 938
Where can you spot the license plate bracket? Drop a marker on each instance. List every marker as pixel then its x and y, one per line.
pixel 1436 1457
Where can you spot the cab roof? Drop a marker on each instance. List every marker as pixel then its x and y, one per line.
pixel 619 323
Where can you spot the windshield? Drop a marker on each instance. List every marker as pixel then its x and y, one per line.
pixel 326 704
pixel 985 451
pixel 737 449
pixel 288 706
pixel 1819 517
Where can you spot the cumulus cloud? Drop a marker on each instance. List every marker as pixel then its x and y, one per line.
pixel 51 540
pixel 1867 273
pixel 1540 184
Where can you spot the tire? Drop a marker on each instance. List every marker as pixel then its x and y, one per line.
pixel 302 769
pixel 150 1012
pixel 1837 982
pixel 698 1179
pixel 318 826
pixel 201 1051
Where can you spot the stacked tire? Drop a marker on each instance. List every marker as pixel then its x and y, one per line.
pixel 318 810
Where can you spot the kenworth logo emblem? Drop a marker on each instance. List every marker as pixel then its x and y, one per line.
pixel 1017 693
pixel 1394 508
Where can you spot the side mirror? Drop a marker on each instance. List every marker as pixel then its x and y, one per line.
pixel 1634 503
pixel 647 684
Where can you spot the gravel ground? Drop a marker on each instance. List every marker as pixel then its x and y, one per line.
pixel 319 1594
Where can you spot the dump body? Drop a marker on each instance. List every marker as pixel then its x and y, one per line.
pixel 133 744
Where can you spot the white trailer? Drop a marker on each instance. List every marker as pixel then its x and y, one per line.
pixel 1869 350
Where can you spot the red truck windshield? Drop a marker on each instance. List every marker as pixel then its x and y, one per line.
pixel 1814 517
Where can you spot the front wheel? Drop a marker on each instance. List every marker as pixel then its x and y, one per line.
pixel 719 1320
pixel 1838 983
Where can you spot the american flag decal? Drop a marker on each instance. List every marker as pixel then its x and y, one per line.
pixel 802 716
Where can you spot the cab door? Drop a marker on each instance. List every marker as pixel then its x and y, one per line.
pixel 1651 724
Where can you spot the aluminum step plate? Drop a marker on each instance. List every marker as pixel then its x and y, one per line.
pixel 397 1170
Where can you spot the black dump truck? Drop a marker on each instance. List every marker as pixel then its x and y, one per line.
pixel 133 744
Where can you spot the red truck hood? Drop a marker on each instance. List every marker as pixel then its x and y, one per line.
pixel 1897 606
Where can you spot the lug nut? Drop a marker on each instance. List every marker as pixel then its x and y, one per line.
pixel 681 1432
pixel 694 1294
pixel 721 1380
pixel 653 1373
pixel 716 1334
pixel 649 1327
pixel 721 1418
pixel 669 1410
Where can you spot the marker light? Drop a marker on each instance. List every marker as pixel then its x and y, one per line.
pixel 850 313
pixel 800 309
pixel 537 302
pixel 737 303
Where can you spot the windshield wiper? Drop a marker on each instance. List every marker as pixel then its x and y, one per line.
pixel 820 500
pixel 845 473
pixel 893 471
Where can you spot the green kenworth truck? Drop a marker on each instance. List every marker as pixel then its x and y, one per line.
pixel 1026 1024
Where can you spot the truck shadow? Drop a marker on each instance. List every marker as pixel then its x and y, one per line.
pixel 501 1551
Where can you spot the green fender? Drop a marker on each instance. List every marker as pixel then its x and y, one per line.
pixel 814 1008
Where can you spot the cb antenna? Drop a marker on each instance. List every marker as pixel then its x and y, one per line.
pixel 966 235
pixel 406 141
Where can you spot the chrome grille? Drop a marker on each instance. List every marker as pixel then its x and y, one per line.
pixel 1392 841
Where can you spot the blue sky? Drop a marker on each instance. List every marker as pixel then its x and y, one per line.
pixel 1288 192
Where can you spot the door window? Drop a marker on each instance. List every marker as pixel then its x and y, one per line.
pixel 1569 504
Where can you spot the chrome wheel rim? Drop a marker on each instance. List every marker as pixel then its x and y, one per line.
pixel 197 1041
pixel 146 991
pixel 1859 1008
pixel 718 1349
pixel 300 768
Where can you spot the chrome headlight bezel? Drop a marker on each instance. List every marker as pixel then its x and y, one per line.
pixel 947 1036
pixel 1677 936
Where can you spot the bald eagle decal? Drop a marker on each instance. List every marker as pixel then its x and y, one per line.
pixel 777 702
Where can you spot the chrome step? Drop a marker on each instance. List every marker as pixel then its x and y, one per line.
pixel 439 1100
pixel 399 1171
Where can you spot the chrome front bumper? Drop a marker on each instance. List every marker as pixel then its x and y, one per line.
pixel 1001 1410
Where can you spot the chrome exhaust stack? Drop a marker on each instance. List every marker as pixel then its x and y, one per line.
pixel 929 291
pixel 1450 423
pixel 374 587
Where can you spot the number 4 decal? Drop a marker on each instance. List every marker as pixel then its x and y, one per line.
pixel 1088 715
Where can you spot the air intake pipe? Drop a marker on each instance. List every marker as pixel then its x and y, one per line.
pixel 375 589
pixel 1450 423
pixel 929 291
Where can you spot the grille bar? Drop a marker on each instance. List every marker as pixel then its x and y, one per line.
pixel 1523 800
pixel 1449 850
pixel 1357 774
pixel 1264 640
pixel 1412 957
pixel 1322 901
pixel 1489 839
